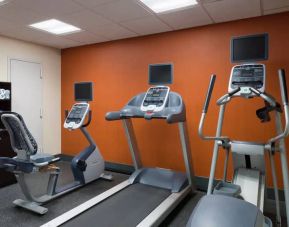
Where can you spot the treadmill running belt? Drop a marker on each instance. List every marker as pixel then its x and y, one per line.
pixel 124 209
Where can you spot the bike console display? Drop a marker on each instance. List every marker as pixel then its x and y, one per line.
pixel 76 116
pixel 155 99
pixel 247 76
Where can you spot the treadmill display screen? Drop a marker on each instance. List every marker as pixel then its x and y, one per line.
pixel 249 48
pixel 83 91
pixel 160 74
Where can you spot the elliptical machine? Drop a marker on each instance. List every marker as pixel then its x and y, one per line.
pixel 87 166
pixel 241 202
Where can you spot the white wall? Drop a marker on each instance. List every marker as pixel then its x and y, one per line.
pixel 50 60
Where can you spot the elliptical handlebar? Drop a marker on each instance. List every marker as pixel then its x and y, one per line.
pixel 284 95
pixel 205 109
pixel 209 93
pixel 234 91
pixel 264 96
pixel 283 85
pixel 226 98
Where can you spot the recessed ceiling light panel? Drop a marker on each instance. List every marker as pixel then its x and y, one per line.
pixel 161 6
pixel 3 2
pixel 55 27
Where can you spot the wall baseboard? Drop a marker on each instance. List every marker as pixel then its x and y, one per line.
pixel 201 183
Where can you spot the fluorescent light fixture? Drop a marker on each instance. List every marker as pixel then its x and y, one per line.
pixel 56 27
pixel 160 6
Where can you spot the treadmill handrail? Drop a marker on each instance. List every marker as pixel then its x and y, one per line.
pixel 117 115
pixel 174 118
pixel 113 116
pixel 172 114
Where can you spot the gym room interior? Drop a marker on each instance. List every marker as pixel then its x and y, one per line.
pixel 144 113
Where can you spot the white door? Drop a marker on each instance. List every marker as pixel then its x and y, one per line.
pixel 26 81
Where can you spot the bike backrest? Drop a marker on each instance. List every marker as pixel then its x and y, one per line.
pixel 22 141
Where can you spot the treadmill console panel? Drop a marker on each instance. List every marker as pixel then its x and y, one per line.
pixel 247 76
pixel 155 99
pixel 76 116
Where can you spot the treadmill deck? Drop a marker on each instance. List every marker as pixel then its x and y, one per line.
pixel 124 209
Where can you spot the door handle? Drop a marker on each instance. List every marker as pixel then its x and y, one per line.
pixel 41 113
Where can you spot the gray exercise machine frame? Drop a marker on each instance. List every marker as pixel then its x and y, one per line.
pixel 133 147
pixel 224 141
pixel 163 209
pixel 26 159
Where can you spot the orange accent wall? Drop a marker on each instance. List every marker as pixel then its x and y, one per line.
pixel 119 70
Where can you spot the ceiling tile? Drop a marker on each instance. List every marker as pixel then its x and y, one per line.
pixel 19 15
pixel 93 42
pixel 20 32
pixel 91 3
pixel 228 10
pixel 103 20
pixel 6 25
pixel 58 42
pixel 85 37
pixel 85 19
pixel 12 30
pixel 96 24
pixel 278 10
pixel 51 8
pixel 274 4
pixel 191 17
pixel 122 10
pixel 30 35
pixel 208 1
pixel 146 25
pixel 113 31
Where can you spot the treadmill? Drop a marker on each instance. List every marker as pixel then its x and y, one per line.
pixel 150 194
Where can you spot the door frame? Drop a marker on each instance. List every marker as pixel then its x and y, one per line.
pixel 9 60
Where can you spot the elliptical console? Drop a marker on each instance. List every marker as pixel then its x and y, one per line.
pixel 247 76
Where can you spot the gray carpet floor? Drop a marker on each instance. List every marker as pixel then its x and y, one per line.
pixel 11 216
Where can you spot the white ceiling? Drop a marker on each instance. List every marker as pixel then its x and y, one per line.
pixel 105 20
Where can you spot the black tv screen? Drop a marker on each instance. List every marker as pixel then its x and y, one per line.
pixel 249 48
pixel 83 91
pixel 5 91
pixel 160 74
pixel 5 99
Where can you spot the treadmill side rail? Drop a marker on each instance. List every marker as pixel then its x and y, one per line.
pixel 156 217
